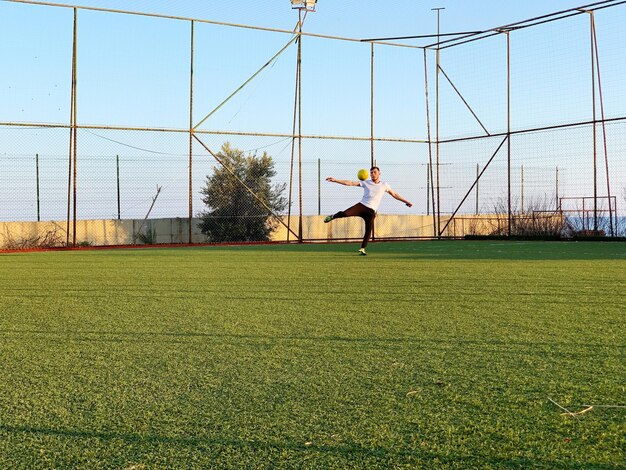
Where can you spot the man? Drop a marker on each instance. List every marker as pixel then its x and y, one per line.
pixel 373 192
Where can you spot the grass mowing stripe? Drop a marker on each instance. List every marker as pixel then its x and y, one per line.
pixel 421 354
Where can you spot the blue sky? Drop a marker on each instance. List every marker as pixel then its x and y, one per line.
pixel 351 18
pixel 134 71
pixel 114 67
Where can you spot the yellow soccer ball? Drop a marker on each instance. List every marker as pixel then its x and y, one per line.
pixel 363 174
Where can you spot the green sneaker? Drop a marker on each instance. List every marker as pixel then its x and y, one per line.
pixel 328 219
pixel 362 252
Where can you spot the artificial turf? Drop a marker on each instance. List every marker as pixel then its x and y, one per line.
pixel 426 354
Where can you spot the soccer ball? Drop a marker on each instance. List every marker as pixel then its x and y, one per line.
pixel 363 174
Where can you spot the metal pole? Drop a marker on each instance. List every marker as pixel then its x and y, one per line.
pixel 437 124
pixel 117 162
pixel 606 154
pixel 372 105
pixel 74 60
pixel 477 173
pixel 319 186
pixel 71 142
pixel 595 152
pixel 243 184
pixel 37 174
pixel 522 189
pixel 300 122
pixel 190 195
pixel 430 148
pixel 508 120
pixel 558 206
pixel 464 100
pixel 69 177
pixel 428 189
pixel 241 87
pixel 293 143
pixel 372 160
pixel 469 191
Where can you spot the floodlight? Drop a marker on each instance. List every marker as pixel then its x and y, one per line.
pixel 308 5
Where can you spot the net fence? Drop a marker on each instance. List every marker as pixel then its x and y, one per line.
pixel 200 132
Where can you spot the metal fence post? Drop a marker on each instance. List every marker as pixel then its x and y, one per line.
pixel 522 171
pixel 477 182
pixel 37 171
pixel 319 186
pixel 117 163
pixel 428 189
pixel 557 188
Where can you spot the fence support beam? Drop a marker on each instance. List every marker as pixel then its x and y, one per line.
pixel 243 185
pixel 474 184
pixel 606 153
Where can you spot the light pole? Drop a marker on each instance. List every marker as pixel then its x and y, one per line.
pixel 305 6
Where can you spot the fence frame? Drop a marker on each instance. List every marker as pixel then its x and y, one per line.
pixel 297 35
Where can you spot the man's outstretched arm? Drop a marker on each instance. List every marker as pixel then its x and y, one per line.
pixel 395 195
pixel 344 182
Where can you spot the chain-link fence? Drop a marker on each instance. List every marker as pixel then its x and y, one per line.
pixel 106 140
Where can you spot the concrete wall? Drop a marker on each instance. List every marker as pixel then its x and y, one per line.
pixel 97 232
pixel 15 235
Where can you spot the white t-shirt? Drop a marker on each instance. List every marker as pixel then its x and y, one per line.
pixel 373 193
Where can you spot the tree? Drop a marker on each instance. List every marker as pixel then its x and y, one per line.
pixel 233 212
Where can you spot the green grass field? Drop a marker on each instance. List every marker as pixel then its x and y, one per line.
pixel 425 354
